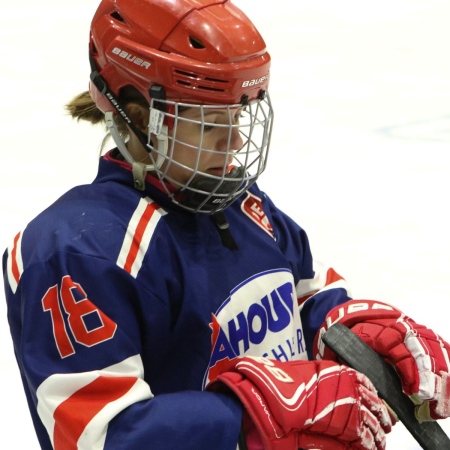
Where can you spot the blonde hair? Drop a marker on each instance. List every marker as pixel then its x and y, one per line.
pixel 83 107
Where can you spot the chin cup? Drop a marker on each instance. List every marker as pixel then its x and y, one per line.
pixel 211 194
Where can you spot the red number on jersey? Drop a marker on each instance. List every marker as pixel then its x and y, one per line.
pixel 50 303
pixel 78 309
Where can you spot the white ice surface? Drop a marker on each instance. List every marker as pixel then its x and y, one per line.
pixel 359 157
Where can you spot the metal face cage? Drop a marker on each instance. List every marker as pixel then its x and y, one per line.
pixel 206 156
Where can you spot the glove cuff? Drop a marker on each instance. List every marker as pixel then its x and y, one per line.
pixel 270 433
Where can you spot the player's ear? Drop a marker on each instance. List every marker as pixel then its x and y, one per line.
pixel 139 114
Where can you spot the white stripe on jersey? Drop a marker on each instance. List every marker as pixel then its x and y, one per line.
pixel 14 264
pixel 325 278
pixel 82 428
pixel 92 439
pixel 138 235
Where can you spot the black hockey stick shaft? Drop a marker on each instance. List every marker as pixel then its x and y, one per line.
pixel 358 355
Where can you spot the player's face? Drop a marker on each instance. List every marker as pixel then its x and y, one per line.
pixel 206 148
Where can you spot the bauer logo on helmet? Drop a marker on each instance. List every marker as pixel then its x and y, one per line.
pixel 255 82
pixel 132 58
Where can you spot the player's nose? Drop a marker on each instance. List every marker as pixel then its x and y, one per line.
pixel 231 140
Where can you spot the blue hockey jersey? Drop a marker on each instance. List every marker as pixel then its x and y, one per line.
pixel 122 306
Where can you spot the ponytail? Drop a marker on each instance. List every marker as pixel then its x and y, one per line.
pixel 82 107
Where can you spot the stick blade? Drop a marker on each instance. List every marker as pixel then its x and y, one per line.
pixel 358 355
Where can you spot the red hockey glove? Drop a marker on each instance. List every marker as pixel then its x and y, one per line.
pixel 308 404
pixel 419 355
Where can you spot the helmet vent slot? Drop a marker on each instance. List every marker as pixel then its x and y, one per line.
pixel 117 16
pixel 196 76
pixel 199 86
pixel 196 43
pixel 187 74
pixel 197 81
pixel 208 88
pixel 216 80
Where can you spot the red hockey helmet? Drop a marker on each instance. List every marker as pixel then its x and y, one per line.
pixel 200 51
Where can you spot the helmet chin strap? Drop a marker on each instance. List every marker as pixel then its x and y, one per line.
pixel 112 128
pixel 140 169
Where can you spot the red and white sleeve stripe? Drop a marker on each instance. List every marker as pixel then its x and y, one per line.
pixel 14 264
pixel 325 278
pixel 138 235
pixel 77 407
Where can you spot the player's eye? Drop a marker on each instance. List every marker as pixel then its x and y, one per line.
pixel 208 126
pixel 239 114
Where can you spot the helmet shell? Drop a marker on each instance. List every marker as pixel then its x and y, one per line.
pixel 200 51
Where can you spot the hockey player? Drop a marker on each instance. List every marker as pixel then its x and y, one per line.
pixel 170 304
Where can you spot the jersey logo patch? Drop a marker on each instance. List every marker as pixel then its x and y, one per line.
pixel 252 208
pixel 260 318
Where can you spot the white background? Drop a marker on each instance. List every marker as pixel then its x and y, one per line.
pixel 359 155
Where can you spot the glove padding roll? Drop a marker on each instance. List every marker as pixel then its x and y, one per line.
pixel 308 404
